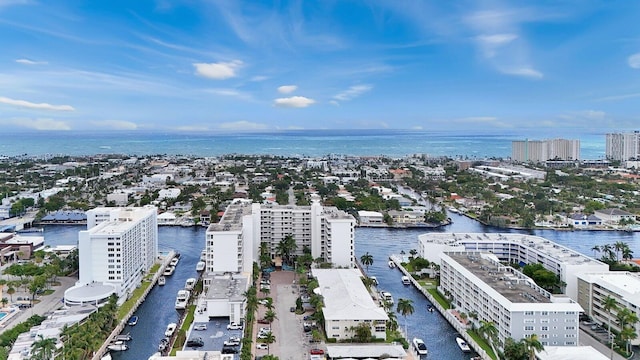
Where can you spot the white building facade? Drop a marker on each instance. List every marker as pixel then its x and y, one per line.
pixel 543 150
pixel 622 146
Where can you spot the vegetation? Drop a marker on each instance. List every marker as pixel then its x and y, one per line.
pixel 544 278
pixel 8 337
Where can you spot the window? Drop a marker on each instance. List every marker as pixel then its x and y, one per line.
pixel 544 328
pixel 528 328
pixel 530 313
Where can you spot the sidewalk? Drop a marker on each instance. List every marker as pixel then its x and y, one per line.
pixel 45 305
pixel 586 339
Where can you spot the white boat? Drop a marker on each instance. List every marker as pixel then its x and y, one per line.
pixel 386 297
pixel 133 320
pixel 118 346
pixel 406 280
pixel 182 299
pixel 171 328
pixel 106 356
pixel 200 266
pixel 203 255
pixel 169 271
pixel 163 344
pixel 123 337
pixel 420 346
pixel 454 210
pixel 174 261
pixel 392 264
pixel 162 280
pixel 374 280
pixel 463 345
pixel 190 283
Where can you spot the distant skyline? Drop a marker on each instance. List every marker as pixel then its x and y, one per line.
pixel 558 68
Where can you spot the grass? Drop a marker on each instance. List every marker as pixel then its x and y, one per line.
pixel 439 298
pixel 128 305
pixel 482 342
pixel 431 283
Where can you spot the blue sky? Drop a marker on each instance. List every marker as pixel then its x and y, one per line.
pixel 553 67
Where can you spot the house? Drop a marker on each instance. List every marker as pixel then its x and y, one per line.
pixel 579 220
pixel 614 216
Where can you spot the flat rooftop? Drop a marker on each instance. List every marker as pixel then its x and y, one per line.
pixel 515 287
pixel 625 284
pixel 232 218
pixel 470 241
pixel 227 287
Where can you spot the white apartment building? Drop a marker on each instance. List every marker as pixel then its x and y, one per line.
pixel 543 150
pixel 347 304
pixel 230 245
pixel 480 286
pixel 119 246
pixel 515 248
pixel 623 146
pixel 624 287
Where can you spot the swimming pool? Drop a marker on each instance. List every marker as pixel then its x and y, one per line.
pixel 3 314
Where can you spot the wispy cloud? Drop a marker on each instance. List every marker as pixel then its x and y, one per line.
pixel 30 62
pixel 619 97
pixel 36 106
pixel 287 89
pixel 524 72
pixel 230 92
pixel 115 124
pixel 353 92
pixel 491 43
pixel 634 61
pixel 43 124
pixel 242 125
pixel 294 102
pixel 218 71
pixel 259 78
pixel 483 121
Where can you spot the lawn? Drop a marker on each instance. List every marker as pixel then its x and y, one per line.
pixel 128 305
pixel 439 298
pixel 482 342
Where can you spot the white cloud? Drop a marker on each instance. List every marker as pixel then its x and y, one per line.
pixel 242 125
pixel 353 92
pixel 30 62
pixel 287 89
pixel 259 78
pixel 619 97
pixel 36 106
pixel 218 71
pixel 491 43
pixel 525 72
pixel 294 102
pixel 594 114
pixel 116 124
pixel 38 124
pixel 634 61
pixel 333 102
pixel 229 92
pixel 192 128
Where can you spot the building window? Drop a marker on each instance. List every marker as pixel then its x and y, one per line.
pixel 528 328
pixel 530 313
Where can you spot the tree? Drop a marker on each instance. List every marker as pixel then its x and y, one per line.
pixel 285 247
pixel 270 315
pixel 361 333
pixel 489 332
pixel 514 350
pixel 609 305
pixel 269 339
pixel 405 307
pixel 533 345
pixel 596 249
pixel 43 348
pixel 366 260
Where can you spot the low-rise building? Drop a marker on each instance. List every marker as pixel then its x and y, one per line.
pixel 614 216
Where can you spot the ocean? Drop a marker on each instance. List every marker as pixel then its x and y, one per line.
pixel 301 143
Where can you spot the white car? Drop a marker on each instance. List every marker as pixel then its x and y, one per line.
pixel 234 326
pixel 262 346
pixel 200 327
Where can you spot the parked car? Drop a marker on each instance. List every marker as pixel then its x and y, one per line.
pixel 262 346
pixel 195 342
pixel 234 326
pixel 292 309
pixel 316 352
pixel 200 327
pixel 229 350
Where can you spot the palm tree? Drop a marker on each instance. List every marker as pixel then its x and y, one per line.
pixel 489 332
pixel 366 260
pixel 607 250
pixel 533 345
pixel 405 307
pixel 596 249
pixel 627 320
pixel 43 349
pixel 270 315
pixel 618 246
pixel 269 339
pixel 627 254
pixel 285 247
pixel 609 305
pixel 4 301
pixel 392 323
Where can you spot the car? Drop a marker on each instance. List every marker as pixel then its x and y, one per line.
pixel 233 341
pixel 316 352
pixel 200 327
pixel 229 350
pixel 306 317
pixel 262 346
pixel 292 309
pixel 195 342
pixel 265 287
pixel 264 330
pixel 306 328
pixel 264 301
pixel 262 321
pixel 234 326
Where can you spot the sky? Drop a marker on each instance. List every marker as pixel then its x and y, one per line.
pixel 557 67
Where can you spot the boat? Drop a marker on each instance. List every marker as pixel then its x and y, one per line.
pixel 430 308
pixel 200 266
pixel 123 337
pixel 420 346
pixel 133 320
pixel 392 264
pixel 118 346
pixel 454 210
pixel 162 280
pixel 174 261
pixel 163 344
pixel 203 255
pixel 190 283
pixel 406 280
pixel 106 356
pixel 463 345
pixel 374 280
pixel 169 271
pixel 386 297
pixel 171 328
pixel 182 299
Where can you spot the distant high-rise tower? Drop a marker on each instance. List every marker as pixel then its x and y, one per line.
pixel 623 146
pixel 543 150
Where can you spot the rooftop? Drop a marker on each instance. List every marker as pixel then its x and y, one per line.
pixel 625 284
pixel 232 218
pixel 227 287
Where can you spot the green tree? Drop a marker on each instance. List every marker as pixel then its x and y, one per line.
pixel 269 339
pixel 361 333
pixel 405 307
pixel 43 348
pixel 366 260
pixel 285 247
pixel 533 345
pixel 610 305
pixel 489 332
pixel 515 350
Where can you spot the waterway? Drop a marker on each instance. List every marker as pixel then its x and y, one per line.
pixel 158 310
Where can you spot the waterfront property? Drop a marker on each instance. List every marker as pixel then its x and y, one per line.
pixel 223 297
pixel 348 304
pixel 194 355
pixel 119 246
pixel 479 285
pixel 624 287
pixel 515 248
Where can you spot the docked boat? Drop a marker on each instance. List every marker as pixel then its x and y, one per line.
pixel 169 271
pixel 118 346
pixel 420 346
pixel 106 356
pixel 171 328
pixel 174 261
pixel 386 297
pixel 374 280
pixel 454 210
pixel 392 264
pixel 200 266
pixel 190 283
pixel 203 255
pixel 162 280
pixel 133 320
pixel 406 280
pixel 123 337
pixel 182 299
pixel 164 343
pixel 463 345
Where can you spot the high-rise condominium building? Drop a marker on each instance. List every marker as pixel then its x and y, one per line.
pixel 623 146
pixel 119 246
pixel 543 150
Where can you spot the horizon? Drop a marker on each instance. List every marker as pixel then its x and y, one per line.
pixel 246 66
